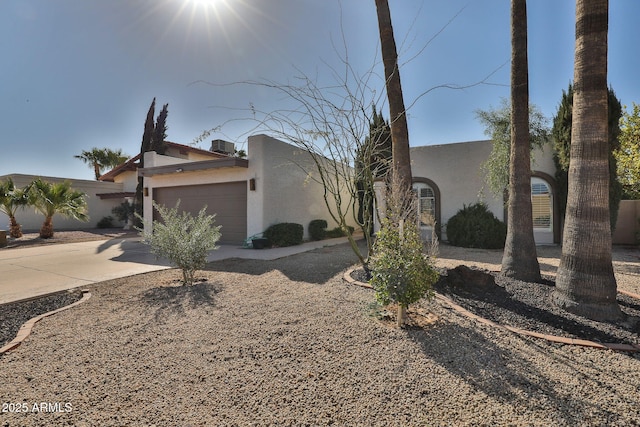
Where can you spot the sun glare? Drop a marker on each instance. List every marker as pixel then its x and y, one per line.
pixel 205 3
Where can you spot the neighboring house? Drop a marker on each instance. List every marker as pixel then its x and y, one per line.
pixel 98 206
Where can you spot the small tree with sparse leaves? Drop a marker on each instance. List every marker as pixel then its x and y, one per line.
pixel 182 239
pixel 401 272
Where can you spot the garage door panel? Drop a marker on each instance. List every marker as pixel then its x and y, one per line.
pixel 227 200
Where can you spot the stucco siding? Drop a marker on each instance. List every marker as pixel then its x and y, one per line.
pixel 284 190
pixel 98 208
pixel 208 176
pixel 455 169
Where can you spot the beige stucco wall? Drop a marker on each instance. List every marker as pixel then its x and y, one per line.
pixel 455 170
pixel 627 226
pixel 98 208
pixel 128 180
pixel 542 160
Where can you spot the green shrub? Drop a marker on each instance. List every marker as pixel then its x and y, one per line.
pixel 339 232
pixel 400 271
pixel 474 226
pixel 106 222
pixel 182 239
pixel 285 234
pixel 124 211
pixel 318 229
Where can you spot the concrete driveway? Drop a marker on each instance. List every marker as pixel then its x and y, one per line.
pixel 39 270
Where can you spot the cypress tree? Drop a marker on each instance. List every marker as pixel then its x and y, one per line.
pixel 144 147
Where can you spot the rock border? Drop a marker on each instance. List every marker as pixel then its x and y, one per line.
pixel 631 348
pixel 25 329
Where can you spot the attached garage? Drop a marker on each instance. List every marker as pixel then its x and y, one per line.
pixel 227 200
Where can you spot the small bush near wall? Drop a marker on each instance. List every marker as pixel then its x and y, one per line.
pixel 474 226
pixel 318 229
pixel 285 234
pixel 338 232
pixel 106 222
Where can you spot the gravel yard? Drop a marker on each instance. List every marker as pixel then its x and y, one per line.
pixel 288 342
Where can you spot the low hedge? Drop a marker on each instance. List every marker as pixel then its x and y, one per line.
pixel 339 232
pixel 285 234
pixel 318 229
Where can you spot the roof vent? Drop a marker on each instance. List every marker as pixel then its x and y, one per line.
pixel 224 147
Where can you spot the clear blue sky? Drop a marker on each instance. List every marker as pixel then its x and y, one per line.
pixel 78 74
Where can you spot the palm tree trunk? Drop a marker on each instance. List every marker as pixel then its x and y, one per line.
pixel 46 231
pixel 15 229
pixel 519 259
pixel 585 283
pixel 398 119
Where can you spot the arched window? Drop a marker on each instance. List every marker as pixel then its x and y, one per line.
pixel 541 203
pixel 426 204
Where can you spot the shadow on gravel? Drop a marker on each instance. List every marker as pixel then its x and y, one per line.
pixel 317 266
pixel 174 300
pixel 535 313
pixel 492 370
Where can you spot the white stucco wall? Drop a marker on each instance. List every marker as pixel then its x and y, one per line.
pixel 98 208
pixel 283 191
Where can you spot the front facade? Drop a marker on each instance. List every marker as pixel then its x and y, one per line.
pixel 449 176
pixel 247 195
pixel 275 184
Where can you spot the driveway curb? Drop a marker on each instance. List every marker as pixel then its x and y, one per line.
pixel 552 338
pixel 25 330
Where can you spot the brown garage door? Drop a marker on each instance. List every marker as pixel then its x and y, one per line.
pixel 228 201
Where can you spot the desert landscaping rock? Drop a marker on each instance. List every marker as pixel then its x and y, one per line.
pixel 287 342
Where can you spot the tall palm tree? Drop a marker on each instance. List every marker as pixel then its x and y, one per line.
pixel 12 198
pixel 519 259
pixel 101 158
pixel 398 117
pixel 57 198
pixel 585 282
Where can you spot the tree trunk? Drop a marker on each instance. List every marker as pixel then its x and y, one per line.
pixel 402 314
pixel 519 259
pixel 46 231
pixel 15 230
pixel 585 282
pixel 96 169
pixel 398 118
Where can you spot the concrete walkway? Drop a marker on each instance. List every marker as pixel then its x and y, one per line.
pixel 39 270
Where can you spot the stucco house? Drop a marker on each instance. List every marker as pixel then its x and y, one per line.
pixel 98 205
pixel 270 186
pixel 448 176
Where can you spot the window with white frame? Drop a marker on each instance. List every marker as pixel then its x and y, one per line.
pixel 541 204
pixel 426 204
